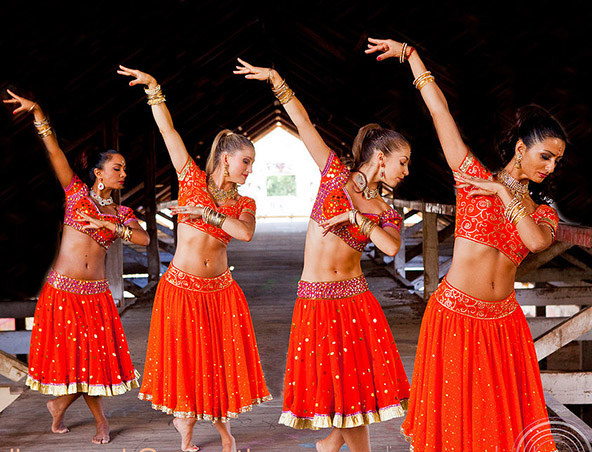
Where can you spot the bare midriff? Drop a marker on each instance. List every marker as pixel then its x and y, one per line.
pixel 198 253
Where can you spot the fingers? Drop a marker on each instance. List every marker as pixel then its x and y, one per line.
pixel 375 41
pixel 244 63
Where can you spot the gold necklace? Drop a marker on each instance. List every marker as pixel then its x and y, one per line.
pixel 361 183
pixel 219 195
pixel 517 188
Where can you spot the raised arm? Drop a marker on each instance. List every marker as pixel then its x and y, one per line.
pixel 162 116
pixel 58 159
pixel 308 133
pixel 455 150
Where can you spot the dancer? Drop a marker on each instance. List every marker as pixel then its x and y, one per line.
pixel 476 384
pixel 202 360
pixel 343 370
pixel 78 346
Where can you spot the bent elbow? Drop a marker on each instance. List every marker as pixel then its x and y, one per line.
pixel 537 247
pixel 391 250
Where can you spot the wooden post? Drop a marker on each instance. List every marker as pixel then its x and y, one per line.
pixel 175 196
pixel 150 203
pixel 114 260
pixel 430 252
pixel 400 256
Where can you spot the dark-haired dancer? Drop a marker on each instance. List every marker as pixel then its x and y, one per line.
pixel 343 370
pixel 78 346
pixel 202 360
pixel 476 384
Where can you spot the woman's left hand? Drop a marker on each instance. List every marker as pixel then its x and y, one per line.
pixel 93 223
pixel 479 187
pixel 21 103
pixel 192 212
pixel 253 72
pixel 334 221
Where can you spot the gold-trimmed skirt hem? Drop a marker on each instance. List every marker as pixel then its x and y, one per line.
pixel 61 389
pixel 205 416
pixel 338 420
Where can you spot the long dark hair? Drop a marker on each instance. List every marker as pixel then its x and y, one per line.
pixel 533 124
pixel 90 159
pixel 372 137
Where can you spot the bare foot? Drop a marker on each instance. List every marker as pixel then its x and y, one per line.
pixel 102 436
pixel 328 445
pixel 185 429
pixel 229 446
pixel 57 411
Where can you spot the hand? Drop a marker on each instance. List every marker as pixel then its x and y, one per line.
pixel 21 103
pixel 93 223
pixel 336 220
pixel 193 212
pixel 141 78
pixel 254 72
pixel 479 187
pixel 388 47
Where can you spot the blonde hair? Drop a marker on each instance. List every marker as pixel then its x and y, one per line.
pixel 372 137
pixel 225 142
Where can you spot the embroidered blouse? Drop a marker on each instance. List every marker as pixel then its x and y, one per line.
pixel 77 200
pixel 481 218
pixel 332 199
pixel 193 190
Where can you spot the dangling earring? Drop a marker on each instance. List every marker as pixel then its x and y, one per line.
pixel 226 172
pixel 101 185
pixel 382 170
pixel 518 160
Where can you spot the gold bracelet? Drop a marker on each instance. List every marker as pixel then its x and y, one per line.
pixel 155 96
pixel 549 224
pixel 424 82
pixel 421 76
pixel 151 92
pixel 519 216
pixel 127 234
pixel 352 216
pixel 402 56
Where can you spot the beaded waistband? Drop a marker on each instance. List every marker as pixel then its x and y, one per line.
pixel 197 283
pixel 77 286
pixel 332 289
pixel 462 303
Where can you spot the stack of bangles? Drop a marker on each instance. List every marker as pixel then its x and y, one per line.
pixel 515 211
pixel 283 92
pixel 547 222
pixel 210 216
pixel 43 128
pixel 404 55
pixel 155 95
pixel 367 225
pixel 123 231
pixel 423 79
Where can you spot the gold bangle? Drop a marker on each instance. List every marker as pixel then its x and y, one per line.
pixel 352 216
pixel 519 216
pixel 421 77
pixel 424 82
pixel 402 56
pixel 547 222
pixel 152 92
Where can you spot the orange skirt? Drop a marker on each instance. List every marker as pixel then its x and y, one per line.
pixel 476 384
pixel 202 360
pixel 343 368
pixel 77 342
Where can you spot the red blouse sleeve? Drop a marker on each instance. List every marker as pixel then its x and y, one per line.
pixel 127 215
pixel 548 216
pixel 74 186
pixel 390 219
pixel 248 206
pixel 333 168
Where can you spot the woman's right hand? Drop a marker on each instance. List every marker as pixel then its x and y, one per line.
pixel 140 78
pixel 387 47
pixel 21 103
pixel 192 212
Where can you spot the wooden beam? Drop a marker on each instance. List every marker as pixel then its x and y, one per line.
pixel 17 309
pixel 569 388
pixel 555 274
pixel 150 212
pixel 576 235
pixel 12 368
pixel 442 209
pixel 555 296
pixel 400 256
pixel 567 331
pixel 562 414
pixel 534 261
pixel 430 253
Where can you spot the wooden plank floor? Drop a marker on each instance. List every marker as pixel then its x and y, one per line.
pixel 267 269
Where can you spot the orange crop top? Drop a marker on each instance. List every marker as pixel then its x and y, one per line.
pixel 332 199
pixel 77 200
pixel 193 190
pixel 481 218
